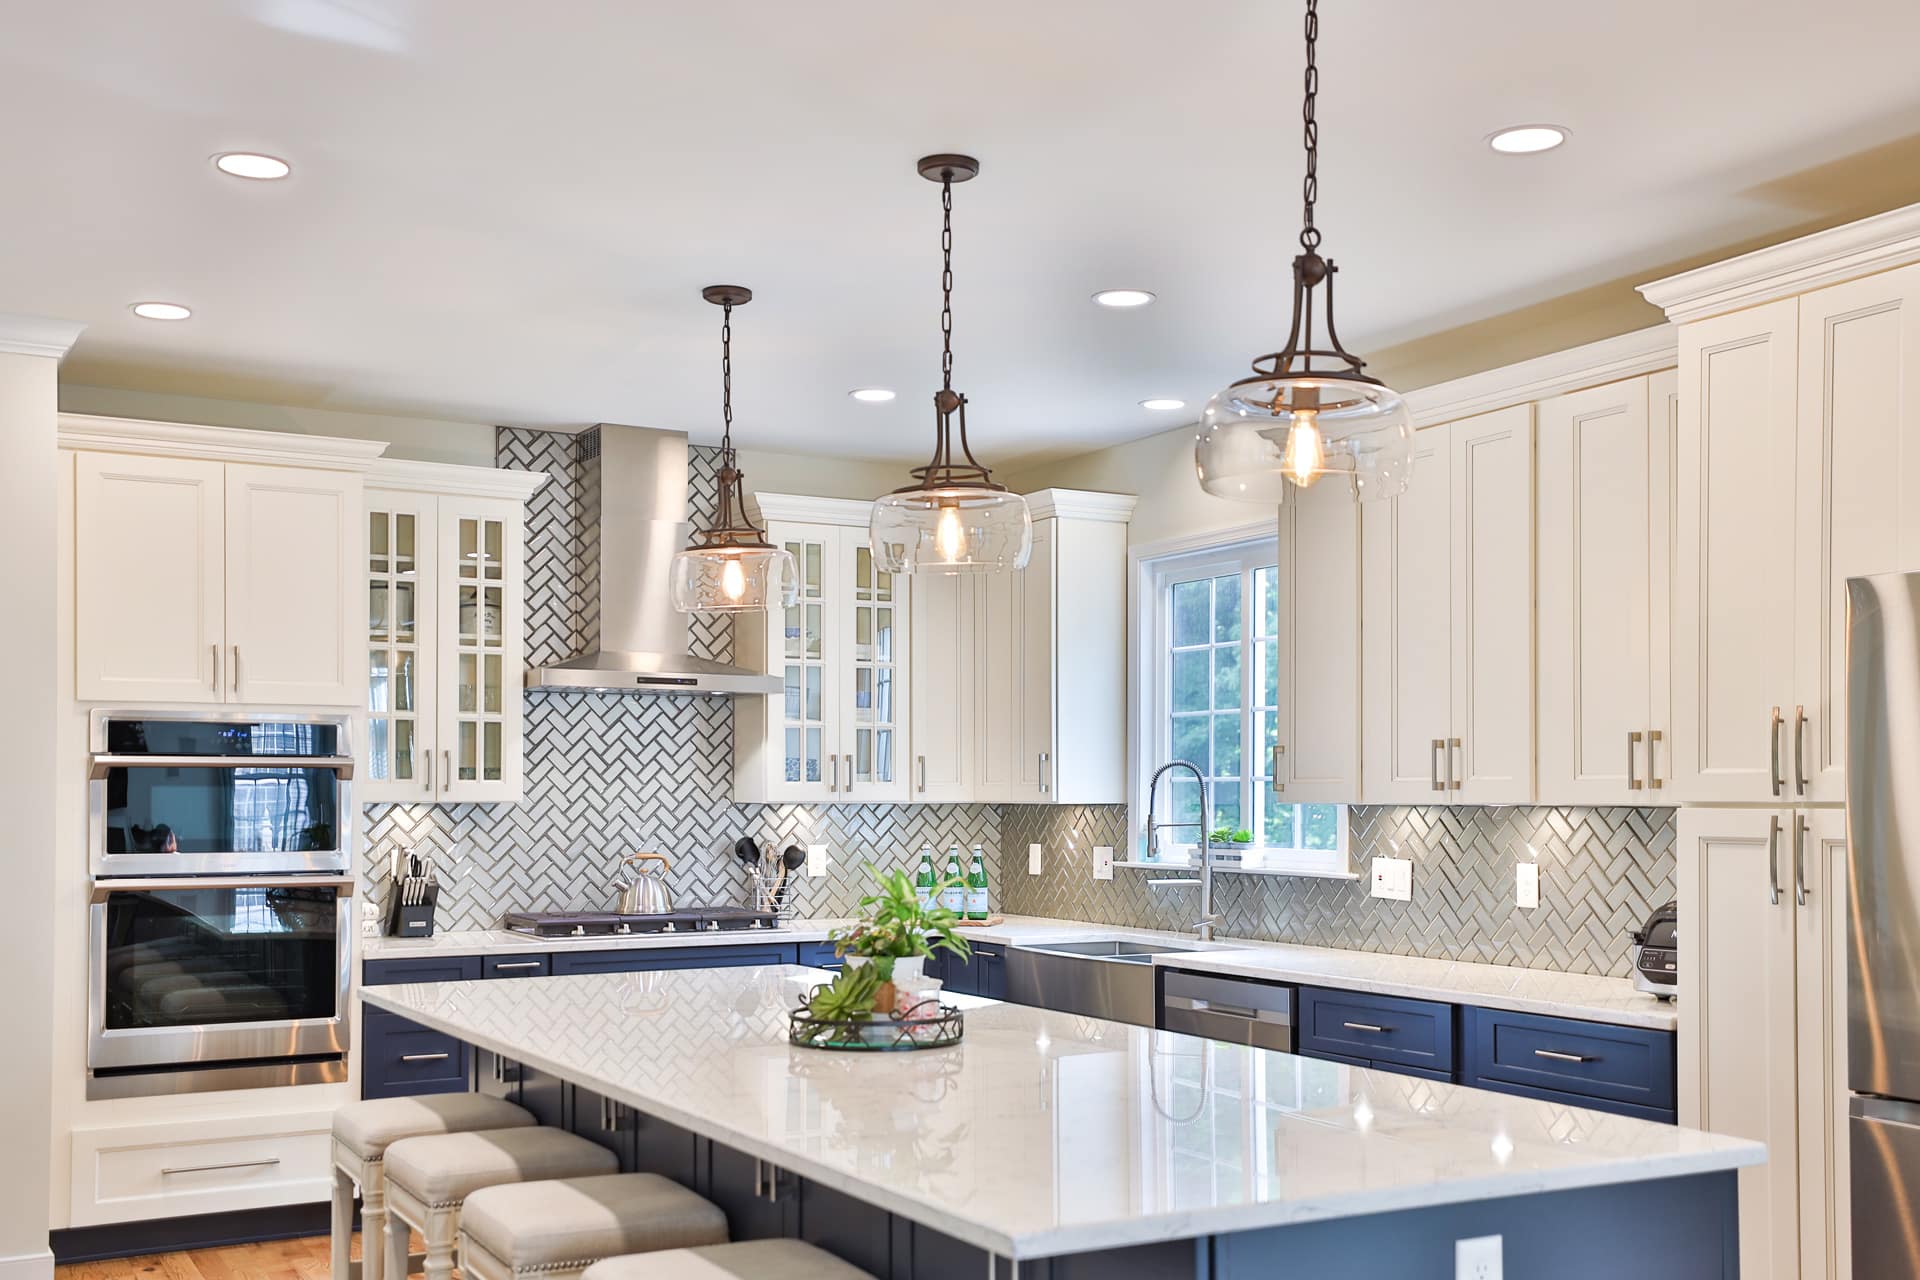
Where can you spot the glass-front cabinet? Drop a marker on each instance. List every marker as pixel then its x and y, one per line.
pixel 836 732
pixel 445 638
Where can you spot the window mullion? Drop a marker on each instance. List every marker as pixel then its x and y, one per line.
pixel 1250 745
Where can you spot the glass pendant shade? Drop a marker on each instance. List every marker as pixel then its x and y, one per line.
pixel 734 579
pixel 951 529
pixel 1264 435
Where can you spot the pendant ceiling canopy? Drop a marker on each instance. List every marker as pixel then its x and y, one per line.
pixel 953 518
pixel 730 567
pixel 1309 411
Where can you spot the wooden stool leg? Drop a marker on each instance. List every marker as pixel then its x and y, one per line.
pixel 395 1263
pixel 443 1229
pixel 342 1224
pixel 373 1230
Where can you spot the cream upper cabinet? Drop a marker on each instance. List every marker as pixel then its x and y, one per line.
pixel 1448 591
pixel 1604 549
pixel 1857 495
pixel 941 673
pixel 199 580
pixel 1317 665
pixel 1041 666
pixel 150 588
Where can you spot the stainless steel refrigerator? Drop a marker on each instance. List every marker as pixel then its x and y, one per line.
pixel 1883 921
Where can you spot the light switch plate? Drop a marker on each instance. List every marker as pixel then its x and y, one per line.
pixel 1102 862
pixel 1393 878
pixel 1033 859
pixel 1526 885
pixel 1477 1258
pixel 816 860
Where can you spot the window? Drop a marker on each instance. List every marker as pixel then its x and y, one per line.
pixel 1212 697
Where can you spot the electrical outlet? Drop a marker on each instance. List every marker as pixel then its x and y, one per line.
pixel 816 860
pixel 1477 1259
pixel 1102 862
pixel 1526 885
pixel 1033 859
pixel 1393 878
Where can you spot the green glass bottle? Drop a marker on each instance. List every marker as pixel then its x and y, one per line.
pixel 954 895
pixel 977 886
pixel 923 879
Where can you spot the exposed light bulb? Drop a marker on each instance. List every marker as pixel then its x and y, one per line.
pixel 950 537
pixel 733 579
pixel 1306 452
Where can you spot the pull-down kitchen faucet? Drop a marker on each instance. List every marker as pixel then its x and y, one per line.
pixel 1204 925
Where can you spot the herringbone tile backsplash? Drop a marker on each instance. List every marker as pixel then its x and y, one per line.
pixel 1602 871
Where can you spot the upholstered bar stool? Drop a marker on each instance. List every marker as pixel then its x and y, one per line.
pixel 748 1260
pixel 362 1132
pixel 557 1229
pixel 428 1179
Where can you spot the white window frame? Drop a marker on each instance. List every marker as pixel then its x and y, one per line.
pixel 1154 567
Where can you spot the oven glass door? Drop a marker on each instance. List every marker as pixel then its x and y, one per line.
pixel 226 971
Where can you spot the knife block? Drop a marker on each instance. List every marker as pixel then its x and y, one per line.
pixel 412 919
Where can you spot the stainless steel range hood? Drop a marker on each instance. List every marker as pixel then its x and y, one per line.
pixel 632 517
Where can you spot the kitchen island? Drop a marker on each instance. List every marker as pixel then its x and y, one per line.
pixel 1077 1147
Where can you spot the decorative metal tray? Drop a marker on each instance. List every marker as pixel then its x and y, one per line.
pixel 876 1032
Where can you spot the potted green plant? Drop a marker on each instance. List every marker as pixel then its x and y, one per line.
pixel 896 933
pixel 1243 837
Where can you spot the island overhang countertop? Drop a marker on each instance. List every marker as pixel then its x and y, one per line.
pixel 1045 1133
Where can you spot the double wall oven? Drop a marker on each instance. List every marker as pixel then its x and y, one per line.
pixel 220 925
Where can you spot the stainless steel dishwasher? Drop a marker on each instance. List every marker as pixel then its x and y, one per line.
pixel 1230 1009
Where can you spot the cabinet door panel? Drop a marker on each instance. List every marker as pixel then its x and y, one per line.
pixel 942 677
pixel 872 710
pixel 1034 753
pixel 296 585
pixel 801 743
pixel 1858 504
pixel 1820 935
pixel 1492 608
pixel 402 657
pixel 1407 593
pixel 1318 659
pixel 1737 1045
pixel 1597 518
pixel 1732 657
pixel 998 653
pixel 481 651
pixel 149 589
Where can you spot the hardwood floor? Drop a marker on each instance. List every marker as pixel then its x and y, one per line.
pixel 305 1258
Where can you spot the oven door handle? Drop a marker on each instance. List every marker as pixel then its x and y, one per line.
pixel 103 761
pixel 343 885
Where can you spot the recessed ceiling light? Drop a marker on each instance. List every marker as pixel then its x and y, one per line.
pixel 1123 297
pixel 161 311
pixel 1526 139
pixel 1163 402
pixel 251 164
pixel 871 395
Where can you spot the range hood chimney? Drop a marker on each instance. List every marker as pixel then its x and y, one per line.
pixel 632 517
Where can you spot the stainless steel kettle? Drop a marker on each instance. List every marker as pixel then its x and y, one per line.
pixel 646 893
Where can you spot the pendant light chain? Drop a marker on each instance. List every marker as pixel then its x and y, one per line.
pixel 1310 134
pixel 946 282
pixel 726 380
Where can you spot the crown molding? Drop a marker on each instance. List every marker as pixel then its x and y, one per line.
pixel 454 478
pixel 845 512
pixel 24 335
pixel 225 444
pixel 1081 504
pixel 1879 243
pixel 1608 360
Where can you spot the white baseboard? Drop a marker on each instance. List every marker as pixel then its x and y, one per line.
pixel 28 1266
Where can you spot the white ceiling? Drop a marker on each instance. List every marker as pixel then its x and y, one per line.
pixel 503 211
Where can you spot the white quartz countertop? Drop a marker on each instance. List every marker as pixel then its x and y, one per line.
pixel 1590 997
pixel 1045 1133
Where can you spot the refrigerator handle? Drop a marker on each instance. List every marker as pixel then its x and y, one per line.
pixel 1773 861
pixel 1800 894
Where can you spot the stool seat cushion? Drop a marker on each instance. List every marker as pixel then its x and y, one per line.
pixel 367 1128
pixel 539 1225
pixel 748 1260
pixel 447 1168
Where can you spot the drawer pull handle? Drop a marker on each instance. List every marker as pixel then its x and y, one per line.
pixel 425 1057
pixel 215 1168
pixel 1366 1026
pixel 517 964
pixel 1557 1056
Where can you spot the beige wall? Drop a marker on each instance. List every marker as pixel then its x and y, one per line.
pixel 1159 471
pixel 28 484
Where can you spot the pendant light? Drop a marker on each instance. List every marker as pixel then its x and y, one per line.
pixel 1308 411
pixel 730 566
pixel 953 518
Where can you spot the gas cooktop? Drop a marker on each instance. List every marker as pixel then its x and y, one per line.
pixel 614 924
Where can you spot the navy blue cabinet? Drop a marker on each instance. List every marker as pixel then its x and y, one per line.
pixel 399 1057
pixel 820 955
pixel 1387 1031
pixel 982 973
pixel 514 966
pixel 641 960
pixel 1629 1070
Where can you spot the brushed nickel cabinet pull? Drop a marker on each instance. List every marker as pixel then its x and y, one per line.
pixel 923 773
pixel 1367 1027
pixel 849 773
pixel 518 964
pixel 446 770
pixel 1557 1056
pixel 216 666
pixel 1773 861
pixel 1454 750
pixel 427 786
pixel 1433 764
pixel 1633 745
pixel 1773 739
pixel 214 1168
pixel 1800 893
pixel 424 1057
pixel 1279 787
pixel 1653 773
pixel 1799 751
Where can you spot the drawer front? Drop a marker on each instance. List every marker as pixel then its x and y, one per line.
pixel 383 973
pixel 1340 1058
pixel 1658 1115
pixel 819 955
pixel 1383 1029
pixel 399 1057
pixel 515 966
pixel 642 961
pixel 1566 1056
pixel 175 1170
